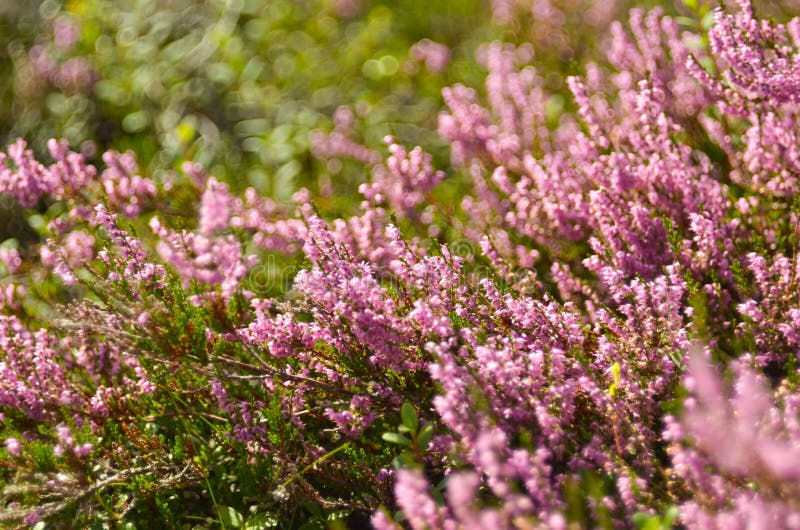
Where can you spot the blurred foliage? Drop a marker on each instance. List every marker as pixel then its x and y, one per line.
pixel 236 85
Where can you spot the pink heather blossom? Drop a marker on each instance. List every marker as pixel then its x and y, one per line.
pixel 216 208
pixel 27 180
pixel 11 295
pixel 338 145
pixel 75 74
pixel 53 258
pixel 503 10
pixel 734 440
pixel 12 446
pixel 31 519
pixel 78 247
pixel 433 55
pixel 130 254
pixel 125 190
pixel 343 119
pixel 70 173
pixel 24 179
pixel 37 385
pixel 404 181
pixel 762 59
pixel 215 260
pixel 83 450
pixel 422 513
pixel 65 440
pixel 773 314
pixel 65 32
pixel 195 172
pixel 11 259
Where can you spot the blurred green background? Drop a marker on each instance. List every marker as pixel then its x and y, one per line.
pixel 235 85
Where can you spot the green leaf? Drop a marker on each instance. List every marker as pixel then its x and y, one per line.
pixel 670 516
pixel 396 438
pixel 708 20
pixel 644 521
pixel 404 460
pixel 425 435
pixel 229 517
pixel 260 522
pixel 409 416
pixel 615 374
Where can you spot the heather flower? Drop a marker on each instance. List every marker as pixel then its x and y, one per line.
pixel 214 260
pixel 33 380
pixel 655 49
pixel 517 100
pixel 773 314
pixel 195 172
pixel 78 248
pixel 64 438
pixel 338 145
pixel 52 258
pixel 26 179
pixel 761 57
pixel 42 61
pixel 433 55
pixel 366 315
pixel 343 119
pixel 11 259
pixel 31 519
pixel 65 32
pixel 69 173
pixel 11 294
pixel 12 446
pixel 403 182
pixel 216 207
pixel 83 450
pixel 128 254
pixel 770 162
pixel 20 175
pixel 124 189
pixel 737 450
pixel 420 509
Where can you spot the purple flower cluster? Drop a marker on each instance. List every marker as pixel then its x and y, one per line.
pixel 554 360
pixel 433 55
pixel 739 439
pixel 22 177
pixel 660 224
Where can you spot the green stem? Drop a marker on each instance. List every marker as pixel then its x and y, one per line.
pixel 314 463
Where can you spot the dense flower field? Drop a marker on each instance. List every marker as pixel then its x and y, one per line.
pixel 237 294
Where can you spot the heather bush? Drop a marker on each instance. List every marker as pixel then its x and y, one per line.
pixel 576 308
